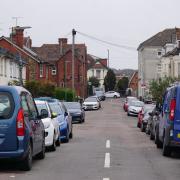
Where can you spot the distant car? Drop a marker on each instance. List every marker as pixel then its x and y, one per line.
pixel 112 94
pixel 76 111
pixel 21 128
pixel 64 119
pixel 127 101
pixel 51 125
pixel 91 103
pixel 145 108
pixel 100 95
pixel 134 107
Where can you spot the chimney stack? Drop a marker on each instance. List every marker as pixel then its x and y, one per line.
pixel 62 43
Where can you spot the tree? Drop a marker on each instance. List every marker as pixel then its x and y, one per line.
pixel 110 80
pixel 122 85
pixel 94 81
pixel 158 88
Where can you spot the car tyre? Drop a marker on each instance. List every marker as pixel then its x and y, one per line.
pixel 138 125
pixel 157 141
pixel 53 146
pixel 115 96
pixel 142 127
pixel 71 134
pixel 151 136
pixel 58 142
pixel 27 162
pixel 41 155
pixel 166 149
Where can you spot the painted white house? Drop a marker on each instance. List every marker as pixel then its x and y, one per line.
pixel 97 68
pixel 149 57
pixel 9 70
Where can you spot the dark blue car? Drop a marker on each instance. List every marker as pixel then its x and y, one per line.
pixel 21 128
pixel 167 134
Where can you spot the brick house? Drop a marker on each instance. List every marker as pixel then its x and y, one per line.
pixel 97 67
pixel 20 47
pixel 59 56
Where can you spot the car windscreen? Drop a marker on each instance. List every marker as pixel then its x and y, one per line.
pixel 6 105
pixel 55 108
pixel 136 103
pixel 91 100
pixel 72 105
pixel 40 107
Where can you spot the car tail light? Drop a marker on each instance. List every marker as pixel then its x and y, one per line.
pixel 172 109
pixel 20 126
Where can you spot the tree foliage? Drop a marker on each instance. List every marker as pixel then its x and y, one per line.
pixel 110 80
pixel 122 85
pixel 158 88
pixel 94 81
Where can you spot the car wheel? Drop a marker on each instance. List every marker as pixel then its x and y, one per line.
pixel 138 125
pixel 142 127
pixel 58 141
pixel 27 162
pixel 166 149
pixel 53 146
pixel 115 96
pixel 71 134
pixel 157 141
pixel 151 136
pixel 41 155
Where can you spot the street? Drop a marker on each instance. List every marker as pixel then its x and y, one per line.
pixel 107 146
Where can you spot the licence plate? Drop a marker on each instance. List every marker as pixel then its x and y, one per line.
pixel 178 135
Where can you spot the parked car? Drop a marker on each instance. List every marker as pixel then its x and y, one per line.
pixel 22 134
pixel 134 107
pixel 91 103
pixel 65 120
pixel 127 101
pixel 146 116
pixel 100 95
pixel 167 134
pixel 51 125
pixel 76 111
pixel 145 108
pixel 112 94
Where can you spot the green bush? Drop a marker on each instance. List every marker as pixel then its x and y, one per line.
pixel 64 94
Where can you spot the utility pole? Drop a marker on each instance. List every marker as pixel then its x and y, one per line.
pixel 108 59
pixel 73 54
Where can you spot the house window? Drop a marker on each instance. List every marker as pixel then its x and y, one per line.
pixel 14 70
pixel 98 74
pixel 5 68
pixel 47 72
pixel 41 70
pixel 178 69
pixel 93 72
pixel 53 72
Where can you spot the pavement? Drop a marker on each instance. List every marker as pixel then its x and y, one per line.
pixel 108 146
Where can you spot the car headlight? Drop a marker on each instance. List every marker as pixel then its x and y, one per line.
pixel 47 125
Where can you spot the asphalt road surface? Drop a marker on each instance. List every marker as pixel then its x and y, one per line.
pixel 108 146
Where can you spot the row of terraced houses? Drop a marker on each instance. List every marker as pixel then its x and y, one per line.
pixel 50 63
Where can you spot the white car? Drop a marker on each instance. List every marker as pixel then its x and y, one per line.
pixel 112 94
pixel 135 107
pixel 51 125
pixel 91 103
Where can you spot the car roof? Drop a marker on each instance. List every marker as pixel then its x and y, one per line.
pixel 18 89
pixel 40 101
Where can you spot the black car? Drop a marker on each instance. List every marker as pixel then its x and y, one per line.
pixel 76 111
pixel 100 95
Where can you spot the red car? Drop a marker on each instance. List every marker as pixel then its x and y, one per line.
pixel 126 102
pixel 146 108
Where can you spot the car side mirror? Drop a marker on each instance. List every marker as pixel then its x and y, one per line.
pixel 66 114
pixel 53 115
pixel 44 113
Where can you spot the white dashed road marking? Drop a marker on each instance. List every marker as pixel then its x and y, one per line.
pixel 106 179
pixel 108 145
pixel 107 160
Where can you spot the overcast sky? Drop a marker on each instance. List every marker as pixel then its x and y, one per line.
pixel 123 22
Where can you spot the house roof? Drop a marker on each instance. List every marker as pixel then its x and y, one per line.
pixel 25 50
pixel 51 52
pixel 161 38
pixel 95 62
pixel 174 52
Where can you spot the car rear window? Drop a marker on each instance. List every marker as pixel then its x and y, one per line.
pixel 6 105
